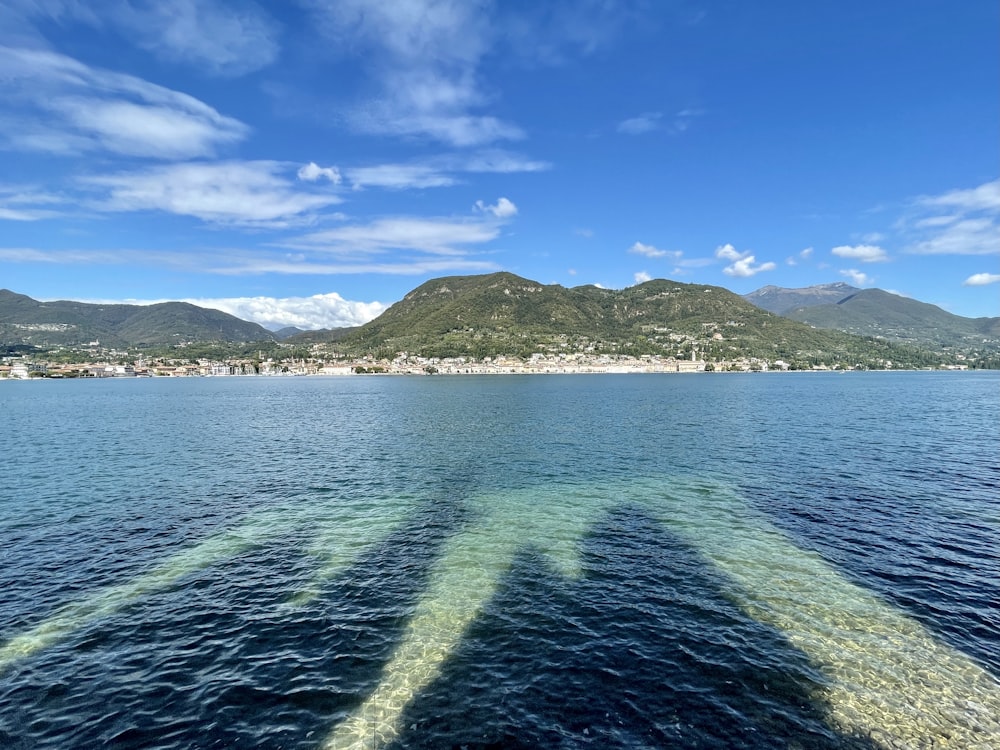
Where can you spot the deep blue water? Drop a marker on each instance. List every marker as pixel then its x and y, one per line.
pixel 782 560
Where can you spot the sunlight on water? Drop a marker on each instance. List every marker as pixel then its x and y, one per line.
pixel 462 582
pixel 889 678
pixel 343 532
pixel 344 535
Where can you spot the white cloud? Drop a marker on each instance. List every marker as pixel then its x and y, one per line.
pixel 641 277
pixel 857 277
pixel 985 197
pixel 649 251
pixel 312 172
pixel 69 107
pixel 247 263
pixel 310 313
pixel 398 176
pixel 806 253
pixel 743 264
pixel 974 236
pixel 935 221
pixel 644 123
pixel 401 267
pixel 503 209
pixel 746 267
pixel 958 222
pixel 863 253
pixel 222 37
pixel 143 130
pixel 229 193
pixel 18 203
pixel 496 161
pixel 982 279
pixel 441 171
pixel 728 252
pixel 426 235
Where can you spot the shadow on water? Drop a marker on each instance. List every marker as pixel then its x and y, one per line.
pixel 644 650
pixel 221 659
pixel 932 557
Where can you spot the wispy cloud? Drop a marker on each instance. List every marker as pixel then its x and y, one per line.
pixel 258 265
pixel 434 236
pixel 425 55
pixel 68 107
pixel 494 161
pixel 254 193
pixel 641 277
pixel 743 264
pixel 985 197
pixel 104 257
pixel 644 123
pixel 27 203
pixel 441 171
pixel 649 251
pixel 398 176
pixel 652 121
pixel 863 253
pixel 217 37
pixel 240 262
pixel 395 245
pixel 556 31
pixel 958 222
pixel 804 254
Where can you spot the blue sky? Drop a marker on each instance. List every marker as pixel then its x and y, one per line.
pixel 308 163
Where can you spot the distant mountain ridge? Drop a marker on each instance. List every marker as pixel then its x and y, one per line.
pixel 24 320
pixel 875 312
pixel 502 314
pixel 780 300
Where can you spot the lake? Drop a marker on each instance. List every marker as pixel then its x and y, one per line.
pixel 800 560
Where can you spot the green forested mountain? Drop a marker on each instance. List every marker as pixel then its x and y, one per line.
pixel 500 313
pixel 24 320
pixel 874 312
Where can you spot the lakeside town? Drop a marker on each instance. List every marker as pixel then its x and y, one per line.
pixel 20 368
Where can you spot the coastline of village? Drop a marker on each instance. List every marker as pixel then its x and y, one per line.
pixel 404 364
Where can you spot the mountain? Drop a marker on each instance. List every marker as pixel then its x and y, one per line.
pixel 283 333
pixel 24 320
pixel 874 312
pixel 504 314
pixel 780 300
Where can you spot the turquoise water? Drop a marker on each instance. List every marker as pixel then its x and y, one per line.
pixel 783 560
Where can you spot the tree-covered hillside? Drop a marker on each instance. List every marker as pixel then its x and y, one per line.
pixel 24 320
pixel 504 314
